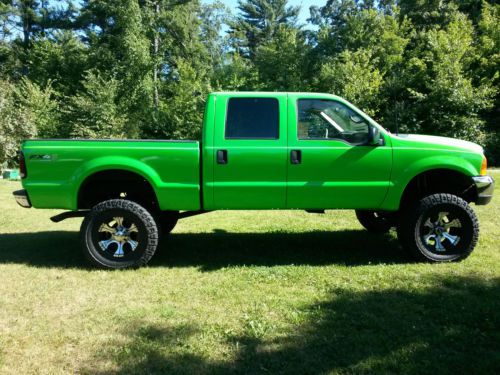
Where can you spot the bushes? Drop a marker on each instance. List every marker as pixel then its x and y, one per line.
pixel 16 123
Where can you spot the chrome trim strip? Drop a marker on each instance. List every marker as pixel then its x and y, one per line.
pixel 483 181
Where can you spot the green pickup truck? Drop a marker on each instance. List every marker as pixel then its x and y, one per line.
pixel 262 151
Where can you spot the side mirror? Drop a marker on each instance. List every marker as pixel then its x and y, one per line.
pixel 374 137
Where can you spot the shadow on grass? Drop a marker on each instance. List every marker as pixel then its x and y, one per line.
pixel 211 251
pixel 220 249
pixel 451 328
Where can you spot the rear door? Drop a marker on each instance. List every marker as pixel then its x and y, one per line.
pixel 250 151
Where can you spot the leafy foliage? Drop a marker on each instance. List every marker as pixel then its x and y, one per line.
pixel 16 123
pixel 449 102
pixel 259 22
pixel 39 106
pixel 353 76
pixel 95 112
pixel 142 68
pixel 282 62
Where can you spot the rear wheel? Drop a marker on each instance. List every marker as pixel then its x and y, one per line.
pixel 119 234
pixel 441 228
pixel 376 221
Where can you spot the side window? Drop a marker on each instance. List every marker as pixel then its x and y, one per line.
pixel 329 119
pixel 252 118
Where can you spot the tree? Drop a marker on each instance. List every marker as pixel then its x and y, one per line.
pixel 213 18
pixel 61 60
pixel 24 21
pixel 259 22
pixel 40 108
pixel 426 14
pixel 95 112
pixel 142 68
pixel 16 124
pixel 119 48
pixel 180 34
pixel 353 76
pixel 488 70
pixel 282 61
pixel 446 100
pixel 237 74
pixel 180 117
pixel 359 51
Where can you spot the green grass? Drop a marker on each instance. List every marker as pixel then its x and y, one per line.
pixel 247 292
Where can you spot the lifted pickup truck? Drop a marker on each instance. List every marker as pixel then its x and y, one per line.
pixel 262 151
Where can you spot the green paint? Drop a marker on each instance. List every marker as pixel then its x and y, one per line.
pixel 259 173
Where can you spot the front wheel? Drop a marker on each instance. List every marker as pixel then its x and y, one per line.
pixel 441 228
pixel 119 234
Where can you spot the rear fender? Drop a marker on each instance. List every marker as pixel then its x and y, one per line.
pixel 113 162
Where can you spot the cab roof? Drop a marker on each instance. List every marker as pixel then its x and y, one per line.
pixel 272 93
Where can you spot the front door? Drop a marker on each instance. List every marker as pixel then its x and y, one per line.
pixel 330 165
pixel 250 152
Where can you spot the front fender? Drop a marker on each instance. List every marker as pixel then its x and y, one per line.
pixel 404 171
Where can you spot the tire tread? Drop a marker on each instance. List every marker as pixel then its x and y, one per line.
pixel 406 229
pixel 134 208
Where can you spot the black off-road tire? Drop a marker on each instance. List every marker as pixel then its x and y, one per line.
pixel 147 234
pixel 412 227
pixel 375 221
pixel 167 220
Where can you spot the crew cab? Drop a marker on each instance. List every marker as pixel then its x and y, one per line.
pixel 261 151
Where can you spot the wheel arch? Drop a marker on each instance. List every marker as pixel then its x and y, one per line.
pixel 407 167
pixel 125 169
pixel 455 180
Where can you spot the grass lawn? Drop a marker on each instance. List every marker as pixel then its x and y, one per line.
pixel 247 292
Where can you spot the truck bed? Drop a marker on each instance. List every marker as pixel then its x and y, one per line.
pixel 57 168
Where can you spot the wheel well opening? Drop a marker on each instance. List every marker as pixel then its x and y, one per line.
pixel 438 181
pixel 116 184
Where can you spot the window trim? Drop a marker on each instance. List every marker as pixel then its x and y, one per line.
pixel 251 138
pixel 327 139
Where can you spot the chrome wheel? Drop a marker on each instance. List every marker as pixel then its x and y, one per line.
pixel 118 233
pixel 441 232
pixel 121 236
pixel 439 228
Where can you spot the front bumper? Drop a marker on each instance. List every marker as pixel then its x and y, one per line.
pixel 485 185
pixel 22 198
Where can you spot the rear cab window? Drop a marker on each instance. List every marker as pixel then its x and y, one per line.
pixel 248 119
pixel 252 118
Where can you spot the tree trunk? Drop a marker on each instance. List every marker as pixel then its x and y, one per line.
pixel 156 48
pixel 26 18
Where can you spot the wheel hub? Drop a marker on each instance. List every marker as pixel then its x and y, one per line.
pixel 119 236
pixel 439 231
